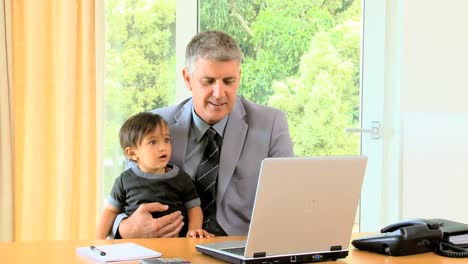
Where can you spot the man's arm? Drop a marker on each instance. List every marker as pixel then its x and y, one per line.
pixel 281 143
pixel 142 224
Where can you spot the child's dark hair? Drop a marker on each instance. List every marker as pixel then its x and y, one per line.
pixel 138 126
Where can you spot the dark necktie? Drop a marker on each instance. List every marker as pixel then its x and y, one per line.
pixel 206 178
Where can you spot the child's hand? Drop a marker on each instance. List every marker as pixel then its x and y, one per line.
pixel 199 233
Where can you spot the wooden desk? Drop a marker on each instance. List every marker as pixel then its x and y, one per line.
pixel 65 252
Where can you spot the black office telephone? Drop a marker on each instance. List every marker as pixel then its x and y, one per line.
pixel 418 236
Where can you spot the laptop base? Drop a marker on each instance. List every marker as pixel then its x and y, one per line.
pixel 305 258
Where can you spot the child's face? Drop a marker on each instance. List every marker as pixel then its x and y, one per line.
pixel 154 152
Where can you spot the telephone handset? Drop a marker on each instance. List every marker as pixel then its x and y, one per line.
pixel 412 236
pixel 431 224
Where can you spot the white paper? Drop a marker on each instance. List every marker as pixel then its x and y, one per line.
pixel 118 252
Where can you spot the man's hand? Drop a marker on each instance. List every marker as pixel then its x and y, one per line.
pixel 142 224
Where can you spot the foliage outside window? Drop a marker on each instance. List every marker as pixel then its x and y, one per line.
pixel 302 56
pixel 140 69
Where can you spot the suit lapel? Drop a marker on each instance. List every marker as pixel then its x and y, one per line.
pixel 180 133
pixel 233 140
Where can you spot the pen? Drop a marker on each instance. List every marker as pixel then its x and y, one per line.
pixel 97 250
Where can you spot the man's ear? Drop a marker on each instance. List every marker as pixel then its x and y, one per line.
pixel 131 153
pixel 187 78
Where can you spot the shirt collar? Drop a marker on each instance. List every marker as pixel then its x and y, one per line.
pixel 200 126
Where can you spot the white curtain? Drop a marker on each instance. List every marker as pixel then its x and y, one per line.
pixel 55 112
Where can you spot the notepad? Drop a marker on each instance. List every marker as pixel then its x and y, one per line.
pixel 118 252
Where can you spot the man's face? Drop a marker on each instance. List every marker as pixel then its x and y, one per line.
pixel 214 87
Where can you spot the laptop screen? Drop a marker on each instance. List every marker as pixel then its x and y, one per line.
pixel 307 203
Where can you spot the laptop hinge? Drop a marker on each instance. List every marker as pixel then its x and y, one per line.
pixel 259 254
pixel 335 248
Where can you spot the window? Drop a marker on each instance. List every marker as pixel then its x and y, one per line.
pixel 140 69
pixel 301 56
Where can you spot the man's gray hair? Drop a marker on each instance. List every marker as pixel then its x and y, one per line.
pixel 212 45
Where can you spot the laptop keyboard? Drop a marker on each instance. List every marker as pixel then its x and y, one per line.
pixel 238 251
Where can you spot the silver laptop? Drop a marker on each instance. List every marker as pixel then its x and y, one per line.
pixel 304 211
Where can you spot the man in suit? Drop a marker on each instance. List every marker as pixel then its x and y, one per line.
pixel 249 133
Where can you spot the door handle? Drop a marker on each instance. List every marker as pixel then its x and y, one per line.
pixel 374 130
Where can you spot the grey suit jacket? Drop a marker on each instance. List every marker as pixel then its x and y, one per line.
pixel 253 132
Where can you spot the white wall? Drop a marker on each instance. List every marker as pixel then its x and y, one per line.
pixel 433 109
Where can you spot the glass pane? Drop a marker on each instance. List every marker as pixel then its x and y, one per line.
pixel 140 69
pixel 302 56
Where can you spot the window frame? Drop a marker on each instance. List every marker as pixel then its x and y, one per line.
pixel 372 214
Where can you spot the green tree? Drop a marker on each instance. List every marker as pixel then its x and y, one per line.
pixel 140 67
pixel 282 33
pixel 324 98
pixel 273 35
pixel 302 56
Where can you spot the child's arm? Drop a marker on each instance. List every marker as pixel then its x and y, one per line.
pixel 195 220
pixel 106 221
